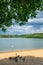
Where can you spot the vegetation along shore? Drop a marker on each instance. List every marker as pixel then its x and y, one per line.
pixel 35 35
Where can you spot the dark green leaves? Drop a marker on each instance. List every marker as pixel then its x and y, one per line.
pixel 3 28
pixel 20 10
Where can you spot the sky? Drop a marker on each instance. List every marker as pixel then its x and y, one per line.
pixel 34 25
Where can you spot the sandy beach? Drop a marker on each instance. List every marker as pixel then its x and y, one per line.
pixel 35 53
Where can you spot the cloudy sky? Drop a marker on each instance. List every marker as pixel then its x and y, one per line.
pixel 34 25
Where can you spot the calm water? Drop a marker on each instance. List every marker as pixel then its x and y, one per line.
pixel 10 44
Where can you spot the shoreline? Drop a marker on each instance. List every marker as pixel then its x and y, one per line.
pixel 20 50
pixel 33 52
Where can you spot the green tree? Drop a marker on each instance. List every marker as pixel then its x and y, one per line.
pixel 19 10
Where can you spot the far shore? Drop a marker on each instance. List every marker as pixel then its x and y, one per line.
pixel 34 35
pixel 36 53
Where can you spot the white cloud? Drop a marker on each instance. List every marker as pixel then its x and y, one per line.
pixel 18 28
pixel 40 20
pixel 24 29
pixel 39 17
pixel 39 14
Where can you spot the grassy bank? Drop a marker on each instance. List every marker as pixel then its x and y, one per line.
pixel 36 35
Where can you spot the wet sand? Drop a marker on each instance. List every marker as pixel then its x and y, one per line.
pixel 35 53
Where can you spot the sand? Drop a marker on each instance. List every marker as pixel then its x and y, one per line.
pixel 35 53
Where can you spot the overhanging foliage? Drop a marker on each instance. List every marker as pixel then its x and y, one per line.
pixel 19 10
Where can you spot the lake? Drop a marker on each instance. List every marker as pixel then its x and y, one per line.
pixel 11 44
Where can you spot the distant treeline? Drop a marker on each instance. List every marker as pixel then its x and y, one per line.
pixel 36 35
